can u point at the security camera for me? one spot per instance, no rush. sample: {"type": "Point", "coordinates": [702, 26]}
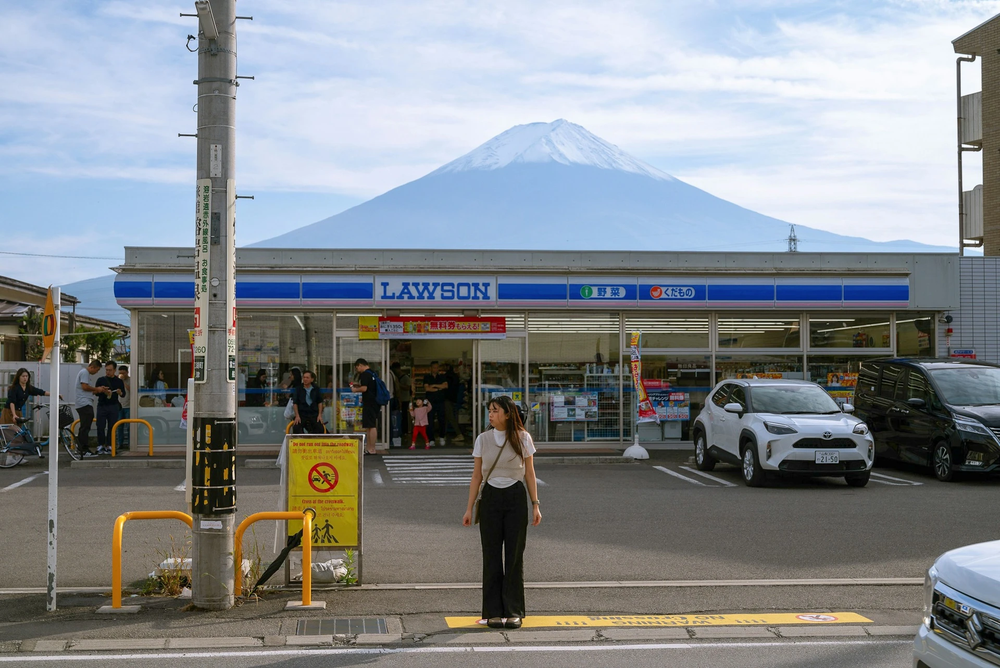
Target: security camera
{"type": "Point", "coordinates": [947, 320]}
{"type": "Point", "coordinates": [206, 19]}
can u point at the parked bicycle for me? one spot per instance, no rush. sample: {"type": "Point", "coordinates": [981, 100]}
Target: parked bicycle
{"type": "Point", "coordinates": [17, 442]}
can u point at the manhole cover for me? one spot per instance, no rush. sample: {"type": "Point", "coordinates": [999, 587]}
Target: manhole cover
{"type": "Point", "coordinates": [340, 626]}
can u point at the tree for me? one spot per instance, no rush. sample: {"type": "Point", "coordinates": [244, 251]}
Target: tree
{"type": "Point", "coordinates": [96, 344]}
{"type": "Point", "coordinates": [30, 328]}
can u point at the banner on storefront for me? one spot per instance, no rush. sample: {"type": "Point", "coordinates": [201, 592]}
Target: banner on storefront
{"type": "Point", "coordinates": [375, 327]}
{"type": "Point", "coordinates": [645, 410]}
{"type": "Point", "coordinates": [670, 406]}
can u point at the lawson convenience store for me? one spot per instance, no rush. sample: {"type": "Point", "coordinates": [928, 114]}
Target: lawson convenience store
{"type": "Point", "coordinates": [548, 328]}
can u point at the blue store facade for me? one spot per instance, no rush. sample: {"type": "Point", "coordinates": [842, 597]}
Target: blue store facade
{"type": "Point", "coordinates": [566, 316]}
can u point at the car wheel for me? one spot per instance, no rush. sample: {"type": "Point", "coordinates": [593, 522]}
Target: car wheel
{"type": "Point", "coordinates": [858, 479]}
{"type": "Point", "coordinates": [703, 460]}
{"type": "Point", "coordinates": [941, 461]}
{"type": "Point", "coordinates": [753, 475]}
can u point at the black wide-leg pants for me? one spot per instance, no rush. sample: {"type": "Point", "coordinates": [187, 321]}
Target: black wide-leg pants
{"type": "Point", "coordinates": [503, 529]}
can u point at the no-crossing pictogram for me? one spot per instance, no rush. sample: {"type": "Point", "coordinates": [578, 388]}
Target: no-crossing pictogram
{"type": "Point", "coordinates": [323, 477]}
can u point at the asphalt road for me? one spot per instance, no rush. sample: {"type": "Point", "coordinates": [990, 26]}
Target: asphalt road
{"type": "Point", "coordinates": [613, 522]}
{"type": "Point", "coordinates": [829, 654]}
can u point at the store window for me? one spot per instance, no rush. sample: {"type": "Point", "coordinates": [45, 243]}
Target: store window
{"type": "Point", "coordinates": [755, 332]}
{"type": "Point", "coordinates": [272, 352]}
{"type": "Point", "coordinates": [162, 371]}
{"type": "Point", "coordinates": [850, 331]}
{"type": "Point", "coordinates": [677, 385]}
{"type": "Point", "coordinates": [574, 375]}
{"type": "Point", "coordinates": [758, 366]}
{"type": "Point", "coordinates": [673, 331]}
{"type": "Point", "coordinates": [915, 335]}
{"type": "Point", "coordinates": [837, 373]}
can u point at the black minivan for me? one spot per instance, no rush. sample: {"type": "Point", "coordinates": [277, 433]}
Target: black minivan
{"type": "Point", "coordinates": [943, 413]}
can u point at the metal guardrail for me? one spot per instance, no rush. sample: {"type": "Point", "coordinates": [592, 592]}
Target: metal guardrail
{"type": "Point", "coordinates": [114, 434]}
{"type": "Point", "coordinates": [307, 517]}
{"type": "Point", "coordinates": [116, 544]}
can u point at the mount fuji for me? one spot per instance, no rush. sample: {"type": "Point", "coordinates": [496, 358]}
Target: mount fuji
{"type": "Point", "coordinates": [556, 186]}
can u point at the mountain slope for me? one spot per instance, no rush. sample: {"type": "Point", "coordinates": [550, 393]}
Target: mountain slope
{"type": "Point", "coordinates": [556, 186]}
{"type": "Point", "coordinates": [97, 298]}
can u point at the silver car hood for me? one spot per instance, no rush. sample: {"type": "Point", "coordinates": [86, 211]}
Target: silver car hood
{"type": "Point", "coordinates": [973, 570]}
{"type": "Point", "coordinates": [837, 422]}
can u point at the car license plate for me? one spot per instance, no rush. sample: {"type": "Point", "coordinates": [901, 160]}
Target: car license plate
{"type": "Point", "coordinates": [827, 457]}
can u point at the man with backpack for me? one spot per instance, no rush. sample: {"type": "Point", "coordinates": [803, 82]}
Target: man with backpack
{"type": "Point", "coordinates": [369, 386]}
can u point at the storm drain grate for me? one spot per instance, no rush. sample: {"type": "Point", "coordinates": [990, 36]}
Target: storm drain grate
{"type": "Point", "coordinates": [340, 626]}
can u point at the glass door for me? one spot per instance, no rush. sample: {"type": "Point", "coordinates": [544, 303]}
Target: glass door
{"type": "Point", "coordinates": [347, 407]}
{"type": "Point", "coordinates": [500, 371]}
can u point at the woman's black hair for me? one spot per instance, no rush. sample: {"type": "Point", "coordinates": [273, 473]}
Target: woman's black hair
{"type": "Point", "coordinates": [515, 425]}
{"type": "Point", "coordinates": [261, 372]}
{"type": "Point", "coordinates": [17, 377]}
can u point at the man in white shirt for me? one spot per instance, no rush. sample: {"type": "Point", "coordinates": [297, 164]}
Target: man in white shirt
{"type": "Point", "coordinates": [85, 392]}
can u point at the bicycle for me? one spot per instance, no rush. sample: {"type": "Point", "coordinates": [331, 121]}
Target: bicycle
{"type": "Point", "coordinates": [15, 446]}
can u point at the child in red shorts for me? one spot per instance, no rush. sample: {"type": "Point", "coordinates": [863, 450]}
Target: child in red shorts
{"type": "Point", "coordinates": [419, 412]}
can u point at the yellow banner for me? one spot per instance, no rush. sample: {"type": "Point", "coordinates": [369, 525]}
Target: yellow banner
{"type": "Point", "coordinates": [48, 326]}
{"type": "Point", "coordinates": [323, 473]}
{"type": "Point", "coordinates": [368, 328]}
{"type": "Point", "coordinates": [609, 621]}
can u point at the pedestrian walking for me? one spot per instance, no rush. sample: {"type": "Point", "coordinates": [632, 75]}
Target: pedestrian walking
{"type": "Point", "coordinates": [110, 388]}
{"type": "Point", "coordinates": [125, 412]}
{"type": "Point", "coordinates": [370, 410]}
{"type": "Point", "coordinates": [308, 407]}
{"type": "Point", "coordinates": [84, 404]}
{"type": "Point", "coordinates": [435, 389]}
{"type": "Point", "coordinates": [507, 451]}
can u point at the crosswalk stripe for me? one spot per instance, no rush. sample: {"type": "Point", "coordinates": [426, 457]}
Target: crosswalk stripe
{"type": "Point", "coordinates": [682, 477]}
{"type": "Point", "coordinates": [710, 477]}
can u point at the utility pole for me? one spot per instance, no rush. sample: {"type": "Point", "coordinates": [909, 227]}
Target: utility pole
{"type": "Point", "coordinates": [213, 468]}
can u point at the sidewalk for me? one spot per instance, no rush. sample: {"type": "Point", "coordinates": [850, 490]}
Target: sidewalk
{"type": "Point", "coordinates": [353, 618]}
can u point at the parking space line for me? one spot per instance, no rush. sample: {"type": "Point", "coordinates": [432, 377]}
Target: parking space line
{"type": "Point", "coordinates": [377, 477]}
{"type": "Point", "coordinates": [710, 477]}
{"type": "Point", "coordinates": [23, 482]}
{"type": "Point", "coordinates": [903, 481]}
{"type": "Point", "coordinates": [682, 477]}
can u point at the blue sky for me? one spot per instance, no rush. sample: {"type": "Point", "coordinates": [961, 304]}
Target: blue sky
{"type": "Point", "coordinates": [833, 114]}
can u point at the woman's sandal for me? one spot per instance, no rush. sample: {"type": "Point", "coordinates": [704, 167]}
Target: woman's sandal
{"type": "Point", "coordinates": [495, 622]}
{"type": "Point", "coordinates": [512, 623]}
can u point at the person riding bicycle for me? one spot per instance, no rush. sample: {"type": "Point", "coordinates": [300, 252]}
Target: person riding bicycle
{"type": "Point", "coordinates": [18, 394]}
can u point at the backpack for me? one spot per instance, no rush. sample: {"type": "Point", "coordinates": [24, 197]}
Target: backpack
{"type": "Point", "coordinates": [382, 395]}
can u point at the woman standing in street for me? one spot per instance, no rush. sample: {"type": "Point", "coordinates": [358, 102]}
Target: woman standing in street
{"type": "Point", "coordinates": [507, 452]}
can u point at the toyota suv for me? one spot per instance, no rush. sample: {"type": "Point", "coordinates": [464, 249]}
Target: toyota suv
{"type": "Point", "coordinates": [942, 413]}
{"type": "Point", "coordinates": [781, 427]}
{"type": "Point", "coordinates": [961, 625]}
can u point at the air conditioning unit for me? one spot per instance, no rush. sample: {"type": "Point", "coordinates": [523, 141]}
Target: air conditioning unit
{"type": "Point", "coordinates": [972, 205]}
{"type": "Point", "coordinates": [971, 123]}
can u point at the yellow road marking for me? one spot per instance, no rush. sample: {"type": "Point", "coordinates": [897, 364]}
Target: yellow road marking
{"type": "Point", "coordinates": [565, 621]}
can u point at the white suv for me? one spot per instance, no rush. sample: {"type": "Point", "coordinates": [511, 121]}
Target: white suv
{"type": "Point", "coordinates": [781, 426]}
{"type": "Point", "coordinates": [961, 626]}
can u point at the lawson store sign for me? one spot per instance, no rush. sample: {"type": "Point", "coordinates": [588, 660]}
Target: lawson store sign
{"type": "Point", "coordinates": [526, 291]}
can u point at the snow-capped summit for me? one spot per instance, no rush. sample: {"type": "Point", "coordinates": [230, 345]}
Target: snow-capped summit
{"type": "Point", "coordinates": [559, 141]}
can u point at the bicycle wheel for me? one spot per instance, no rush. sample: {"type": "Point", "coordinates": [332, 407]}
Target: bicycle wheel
{"type": "Point", "coordinates": [10, 458]}
{"type": "Point", "coordinates": [69, 443]}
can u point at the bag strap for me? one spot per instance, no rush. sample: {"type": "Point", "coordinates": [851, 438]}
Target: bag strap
{"type": "Point", "coordinates": [495, 461]}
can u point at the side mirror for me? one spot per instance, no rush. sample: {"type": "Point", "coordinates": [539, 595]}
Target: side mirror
{"type": "Point", "coordinates": [916, 402]}
{"type": "Point", "coordinates": [848, 408]}
{"type": "Point", "coordinates": [733, 408]}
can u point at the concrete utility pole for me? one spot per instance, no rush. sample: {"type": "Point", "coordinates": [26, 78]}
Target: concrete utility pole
{"type": "Point", "coordinates": [213, 488]}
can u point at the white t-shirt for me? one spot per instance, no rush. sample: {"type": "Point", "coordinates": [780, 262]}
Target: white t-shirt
{"type": "Point", "coordinates": [495, 439]}
{"type": "Point", "coordinates": [83, 397]}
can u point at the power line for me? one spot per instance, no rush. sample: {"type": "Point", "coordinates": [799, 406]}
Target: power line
{"type": "Point", "coordinates": [66, 257]}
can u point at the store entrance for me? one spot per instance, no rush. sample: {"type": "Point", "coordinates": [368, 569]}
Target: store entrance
{"type": "Point", "coordinates": [438, 371]}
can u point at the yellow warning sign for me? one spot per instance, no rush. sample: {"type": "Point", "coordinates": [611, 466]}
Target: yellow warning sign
{"type": "Point", "coordinates": [323, 474]}
{"type": "Point", "coordinates": [606, 621]}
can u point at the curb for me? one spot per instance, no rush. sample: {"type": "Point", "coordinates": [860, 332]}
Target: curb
{"type": "Point", "coordinates": [153, 463]}
{"type": "Point", "coordinates": [470, 638]}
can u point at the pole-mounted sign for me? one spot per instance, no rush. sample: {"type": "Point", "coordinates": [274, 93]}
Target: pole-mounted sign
{"type": "Point", "coordinates": [202, 276]}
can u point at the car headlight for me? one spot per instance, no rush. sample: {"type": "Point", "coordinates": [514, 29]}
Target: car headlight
{"type": "Point", "coordinates": [930, 580]}
{"type": "Point", "coordinates": [778, 428]}
{"type": "Point", "coordinates": [972, 426]}
{"type": "Point", "coordinates": [861, 428]}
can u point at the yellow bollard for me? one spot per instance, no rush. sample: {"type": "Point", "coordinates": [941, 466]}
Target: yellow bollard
{"type": "Point", "coordinates": [116, 544]}
{"type": "Point", "coordinates": [114, 434]}
{"type": "Point", "coordinates": [306, 516]}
